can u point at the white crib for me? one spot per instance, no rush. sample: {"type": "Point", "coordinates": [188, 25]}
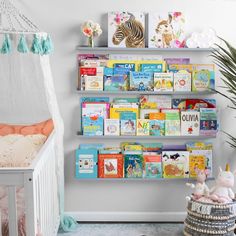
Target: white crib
{"type": "Point", "coordinates": [40, 192]}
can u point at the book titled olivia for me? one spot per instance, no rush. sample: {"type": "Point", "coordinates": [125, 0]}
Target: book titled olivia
{"type": "Point", "coordinates": [190, 122]}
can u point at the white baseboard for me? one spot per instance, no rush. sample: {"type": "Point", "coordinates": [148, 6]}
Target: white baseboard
{"type": "Point", "coordinates": [128, 216]}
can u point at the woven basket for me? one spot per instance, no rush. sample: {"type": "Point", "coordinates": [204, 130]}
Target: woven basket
{"type": "Point", "coordinates": [210, 219]}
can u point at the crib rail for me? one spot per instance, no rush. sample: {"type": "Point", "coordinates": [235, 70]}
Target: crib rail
{"type": "Point", "coordinates": [40, 194]}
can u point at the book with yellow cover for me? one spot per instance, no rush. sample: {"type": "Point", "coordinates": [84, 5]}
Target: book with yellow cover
{"type": "Point", "coordinates": [115, 111]}
{"type": "Point", "coordinates": [196, 161]}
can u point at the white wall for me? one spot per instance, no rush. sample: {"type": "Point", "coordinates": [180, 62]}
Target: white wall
{"type": "Point", "coordinates": [63, 19]}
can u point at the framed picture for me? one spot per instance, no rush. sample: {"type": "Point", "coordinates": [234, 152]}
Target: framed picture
{"type": "Point", "coordinates": [126, 29]}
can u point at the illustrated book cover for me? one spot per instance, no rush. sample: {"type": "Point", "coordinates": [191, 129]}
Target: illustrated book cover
{"type": "Point", "coordinates": [143, 127]}
{"type": "Point", "coordinates": [128, 122]}
{"type": "Point", "coordinates": [190, 123]}
{"type": "Point", "coordinates": [141, 81]}
{"type": "Point", "coordinates": [126, 29]}
{"type": "Point", "coordinates": [163, 82]}
{"type": "Point", "coordinates": [86, 163]}
{"type": "Point", "coordinates": [112, 127]}
{"type": "Point", "coordinates": [208, 121]}
{"type": "Point", "coordinates": [175, 164]}
{"type": "Point", "coordinates": [133, 165]}
{"type": "Point", "coordinates": [182, 81]}
{"type": "Point", "coordinates": [172, 123]}
{"type": "Point", "coordinates": [152, 165]}
{"type": "Point", "coordinates": [110, 165]}
{"type": "Point", "coordinates": [92, 126]}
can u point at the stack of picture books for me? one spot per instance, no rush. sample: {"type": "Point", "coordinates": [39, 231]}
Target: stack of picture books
{"type": "Point", "coordinates": [143, 160]}
{"type": "Point", "coordinates": [148, 115]}
{"type": "Point", "coordinates": [100, 73]}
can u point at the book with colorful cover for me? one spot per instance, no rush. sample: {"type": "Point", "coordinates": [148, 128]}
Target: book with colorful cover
{"type": "Point", "coordinates": [157, 116]}
{"type": "Point", "coordinates": [203, 77]}
{"type": "Point", "coordinates": [126, 100]}
{"type": "Point", "coordinates": [178, 67]}
{"type": "Point", "coordinates": [94, 99]}
{"type": "Point", "coordinates": [133, 147]}
{"type": "Point", "coordinates": [152, 165]}
{"type": "Point", "coordinates": [115, 111]}
{"type": "Point", "coordinates": [152, 147]}
{"type": "Point", "coordinates": [172, 123]}
{"type": "Point", "coordinates": [93, 83]}
{"type": "Point", "coordinates": [92, 126]}
{"type": "Point", "coordinates": [128, 123]}
{"type": "Point", "coordinates": [110, 165]}
{"type": "Point", "coordinates": [123, 68]}
{"type": "Point", "coordinates": [196, 104]}
{"type": "Point", "coordinates": [95, 109]}
{"type": "Point", "coordinates": [207, 154]}
{"type": "Point", "coordinates": [144, 113]}
{"type": "Point", "coordinates": [182, 81]}
{"type": "Point", "coordinates": [179, 103]}
{"type": "Point", "coordinates": [177, 61]}
{"type": "Point", "coordinates": [199, 146]}
{"type": "Point", "coordinates": [157, 128]}
{"type": "Point", "coordinates": [110, 150]}
{"type": "Point", "coordinates": [86, 163]}
{"type": "Point", "coordinates": [141, 81]}
{"type": "Point", "coordinates": [96, 146]}
{"type": "Point", "coordinates": [143, 127]}
{"type": "Point", "coordinates": [175, 164]}
{"type": "Point", "coordinates": [112, 127]}
{"type": "Point", "coordinates": [155, 102]}
{"type": "Point", "coordinates": [208, 121]}
{"type": "Point", "coordinates": [116, 83]}
{"type": "Point", "coordinates": [133, 167]}
{"type": "Point", "coordinates": [163, 82]}
{"type": "Point", "coordinates": [151, 67]}
{"type": "Point", "coordinates": [196, 161]}
{"type": "Point", "coordinates": [190, 123]}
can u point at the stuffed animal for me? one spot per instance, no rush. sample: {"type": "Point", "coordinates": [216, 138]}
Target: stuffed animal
{"type": "Point", "coordinates": [222, 192]}
{"type": "Point", "coordinates": [200, 188]}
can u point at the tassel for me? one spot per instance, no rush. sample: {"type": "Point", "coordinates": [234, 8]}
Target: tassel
{"type": "Point", "coordinates": [22, 46]}
{"type": "Point", "coordinates": [36, 47]}
{"type": "Point", "coordinates": [47, 45]}
{"type": "Point", "coordinates": [6, 46]}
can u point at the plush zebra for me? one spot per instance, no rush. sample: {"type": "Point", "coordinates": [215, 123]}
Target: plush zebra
{"type": "Point", "coordinates": [133, 33]}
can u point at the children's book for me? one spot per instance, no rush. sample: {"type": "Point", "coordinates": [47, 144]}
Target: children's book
{"type": "Point", "coordinates": [166, 30]}
{"type": "Point", "coordinates": [143, 127]}
{"type": "Point", "coordinates": [177, 61]}
{"type": "Point", "coordinates": [199, 146]}
{"type": "Point", "coordinates": [203, 77]}
{"type": "Point", "coordinates": [190, 123]}
{"type": "Point", "coordinates": [157, 116]}
{"type": "Point", "coordinates": [152, 147]}
{"type": "Point", "coordinates": [144, 113]}
{"type": "Point", "coordinates": [133, 166]}
{"type": "Point", "coordinates": [126, 29]}
{"type": "Point", "coordinates": [155, 102]}
{"type": "Point", "coordinates": [196, 161]}
{"type": "Point", "coordinates": [112, 127]}
{"type": "Point", "coordinates": [196, 104]}
{"type": "Point", "coordinates": [86, 163]}
{"type": "Point", "coordinates": [178, 67]}
{"type": "Point", "coordinates": [175, 164]}
{"type": "Point", "coordinates": [182, 81]}
{"type": "Point", "coordinates": [128, 123]}
{"type": "Point", "coordinates": [115, 112]}
{"type": "Point", "coordinates": [133, 147]}
{"type": "Point", "coordinates": [179, 103]}
{"type": "Point", "coordinates": [152, 165]}
{"type": "Point", "coordinates": [151, 67]}
{"type": "Point", "coordinates": [141, 81]}
{"type": "Point", "coordinates": [163, 82]}
{"type": "Point", "coordinates": [126, 100]}
{"type": "Point", "coordinates": [110, 165]}
{"type": "Point", "coordinates": [92, 126]}
{"type": "Point", "coordinates": [94, 83]}
{"type": "Point", "coordinates": [116, 83]}
{"type": "Point", "coordinates": [157, 127]}
{"type": "Point", "coordinates": [207, 154]}
{"type": "Point", "coordinates": [208, 121]}
{"type": "Point", "coordinates": [94, 99]}
{"type": "Point", "coordinates": [95, 109]}
{"type": "Point", "coordinates": [123, 68]}
{"type": "Point", "coordinates": [172, 123]}
{"type": "Point", "coordinates": [110, 150]}
{"type": "Point", "coordinates": [107, 78]}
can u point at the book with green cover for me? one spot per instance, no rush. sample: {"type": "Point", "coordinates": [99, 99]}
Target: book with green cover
{"type": "Point", "coordinates": [172, 124]}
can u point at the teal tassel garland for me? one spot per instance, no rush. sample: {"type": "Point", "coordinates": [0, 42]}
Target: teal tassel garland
{"type": "Point", "coordinates": [22, 46]}
{"type": "Point", "coordinates": [6, 46]}
{"type": "Point", "coordinates": [47, 45]}
{"type": "Point", "coordinates": [36, 47]}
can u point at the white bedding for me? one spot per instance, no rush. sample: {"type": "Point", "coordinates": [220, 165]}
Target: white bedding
{"type": "Point", "coordinates": [17, 150]}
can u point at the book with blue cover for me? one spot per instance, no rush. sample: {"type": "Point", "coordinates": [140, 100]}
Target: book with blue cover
{"type": "Point", "coordinates": [133, 166]}
{"type": "Point", "coordinates": [92, 126]}
{"type": "Point", "coordinates": [151, 67]}
{"type": "Point", "coordinates": [141, 81]}
{"type": "Point", "coordinates": [123, 68]}
{"type": "Point", "coordinates": [97, 146]}
{"type": "Point", "coordinates": [157, 127]}
{"type": "Point", "coordinates": [116, 83]}
{"type": "Point", "coordinates": [128, 123]}
{"type": "Point", "coordinates": [94, 99]}
{"type": "Point", "coordinates": [208, 121]}
{"type": "Point", "coordinates": [86, 163]}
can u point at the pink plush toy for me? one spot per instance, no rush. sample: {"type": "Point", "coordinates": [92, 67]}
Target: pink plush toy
{"type": "Point", "coordinates": [200, 188]}
{"type": "Point", "coordinates": [222, 192]}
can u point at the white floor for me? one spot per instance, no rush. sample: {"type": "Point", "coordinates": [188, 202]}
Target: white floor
{"type": "Point", "coordinates": [127, 230]}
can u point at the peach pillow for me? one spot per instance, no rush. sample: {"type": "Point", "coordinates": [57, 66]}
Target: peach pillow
{"type": "Point", "coordinates": [45, 128]}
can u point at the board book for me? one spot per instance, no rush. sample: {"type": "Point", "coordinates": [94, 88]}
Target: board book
{"type": "Point", "coordinates": [86, 163]}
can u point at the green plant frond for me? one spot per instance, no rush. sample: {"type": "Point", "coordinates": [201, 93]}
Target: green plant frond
{"type": "Point", "coordinates": [222, 94]}
{"type": "Point", "coordinates": [231, 85]}
{"type": "Point", "coordinates": [224, 66]}
{"type": "Point", "coordinates": [231, 49]}
{"type": "Point", "coordinates": [226, 52]}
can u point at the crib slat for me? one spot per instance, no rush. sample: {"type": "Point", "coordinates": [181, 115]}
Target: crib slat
{"type": "Point", "coordinates": [12, 206]}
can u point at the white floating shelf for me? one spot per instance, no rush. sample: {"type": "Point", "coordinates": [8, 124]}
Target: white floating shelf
{"type": "Point", "coordinates": [143, 50]}
{"type": "Point", "coordinates": [209, 92]}
{"type": "Point", "coordinates": [147, 137]}
{"type": "Point", "coordinates": [140, 179]}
